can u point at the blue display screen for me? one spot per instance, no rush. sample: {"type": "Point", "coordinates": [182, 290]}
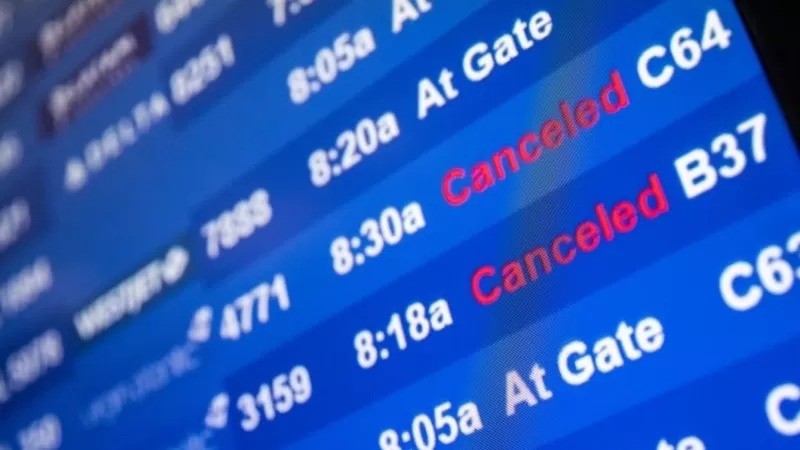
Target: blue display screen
{"type": "Point", "coordinates": [394, 225]}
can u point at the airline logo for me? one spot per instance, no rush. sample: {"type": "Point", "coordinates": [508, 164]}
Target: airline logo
{"type": "Point", "coordinates": [63, 30]}
{"type": "Point", "coordinates": [104, 71]}
{"type": "Point", "coordinates": [132, 294]}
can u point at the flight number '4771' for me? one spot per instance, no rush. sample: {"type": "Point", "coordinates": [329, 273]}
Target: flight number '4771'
{"type": "Point", "coordinates": [241, 316]}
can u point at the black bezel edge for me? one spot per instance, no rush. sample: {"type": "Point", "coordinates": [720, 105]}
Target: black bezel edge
{"type": "Point", "coordinates": [774, 28]}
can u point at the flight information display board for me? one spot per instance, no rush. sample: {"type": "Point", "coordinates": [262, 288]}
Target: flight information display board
{"type": "Point", "coordinates": [394, 225]}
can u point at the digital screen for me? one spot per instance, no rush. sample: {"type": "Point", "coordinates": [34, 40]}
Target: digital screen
{"type": "Point", "coordinates": [394, 225]}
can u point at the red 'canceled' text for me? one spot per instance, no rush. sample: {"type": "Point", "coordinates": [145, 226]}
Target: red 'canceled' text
{"type": "Point", "coordinates": [490, 283]}
{"type": "Point", "coordinates": [459, 183]}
